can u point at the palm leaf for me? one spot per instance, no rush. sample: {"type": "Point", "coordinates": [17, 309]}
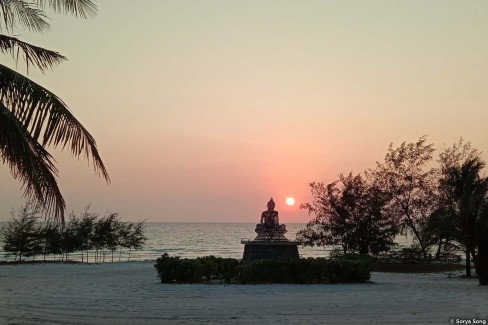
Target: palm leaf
{"type": "Point", "coordinates": [28, 14]}
{"type": "Point", "coordinates": [46, 117]}
{"type": "Point", "coordinates": [33, 55]}
{"type": "Point", "coordinates": [78, 8]}
{"type": "Point", "coordinates": [31, 163]}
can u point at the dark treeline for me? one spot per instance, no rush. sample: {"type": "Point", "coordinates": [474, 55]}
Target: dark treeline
{"type": "Point", "coordinates": [89, 235]}
{"type": "Point", "coordinates": [443, 206]}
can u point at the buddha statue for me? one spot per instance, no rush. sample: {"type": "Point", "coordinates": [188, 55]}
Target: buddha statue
{"type": "Point", "coordinates": [269, 228]}
{"type": "Point", "coordinates": [270, 216]}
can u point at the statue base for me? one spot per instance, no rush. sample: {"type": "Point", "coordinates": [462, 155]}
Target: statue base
{"type": "Point", "coordinates": [270, 232]}
{"type": "Point", "coordinates": [266, 250]}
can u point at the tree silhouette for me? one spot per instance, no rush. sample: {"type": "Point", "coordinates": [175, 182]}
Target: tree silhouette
{"type": "Point", "coordinates": [24, 235]}
{"type": "Point", "coordinates": [31, 117]}
{"type": "Point", "coordinates": [350, 213]}
{"type": "Point", "coordinates": [53, 240]}
{"type": "Point", "coordinates": [466, 205]}
{"type": "Point", "coordinates": [412, 186]}
{"type": "Point", "coordinates": [84, 231]}
{"type": "Point", "coordinates": [21, 235]}
{"type": "Point", "coordinates": [136, 237]}
{"type": "Point", "coordinates": [455, 169]}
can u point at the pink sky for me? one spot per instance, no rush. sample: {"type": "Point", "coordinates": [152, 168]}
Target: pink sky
{"type": "Point", "coordinates": [203, 110]}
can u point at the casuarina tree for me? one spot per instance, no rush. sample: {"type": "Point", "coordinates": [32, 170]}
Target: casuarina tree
{"type": "Point", "coordinates": [349, 213]}
{"type": "Point", "coordinates": [21, 236]}
{"type": "Point", "coordinates": [411, 182]}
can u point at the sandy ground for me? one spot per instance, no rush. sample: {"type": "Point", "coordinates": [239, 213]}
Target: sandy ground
{"type": "Point", "coordinates": [129, 293]}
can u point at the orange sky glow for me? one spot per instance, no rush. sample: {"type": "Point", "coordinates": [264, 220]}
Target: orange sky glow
{"type": "Point", "coordinates": [203, 110]}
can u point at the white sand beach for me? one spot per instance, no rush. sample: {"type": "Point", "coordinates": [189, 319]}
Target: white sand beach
{"type": "Point", "coordinates": [130, 293]}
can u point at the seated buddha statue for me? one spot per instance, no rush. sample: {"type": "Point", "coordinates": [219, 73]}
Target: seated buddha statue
{"type": "Point", "coordinates": [270, 216]}
{"type": "Point", "coordinates": [269, 228]}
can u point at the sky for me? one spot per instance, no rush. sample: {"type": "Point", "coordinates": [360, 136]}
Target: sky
{"type": "Point", "coordinates": [203, 110]}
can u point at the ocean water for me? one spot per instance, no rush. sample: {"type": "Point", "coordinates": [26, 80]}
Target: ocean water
{"type": "Point", "coordinates": [202, 239]}
{"type": "Point", "coordinates": [192, 240]}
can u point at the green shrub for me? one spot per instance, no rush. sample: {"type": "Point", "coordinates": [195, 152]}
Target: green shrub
{"type": "Point", "coordinates": [343, 269]}
{"type": "Point", "coordinates": [199, 270]}
{"type": "Point", "coordinates": [351, 268]}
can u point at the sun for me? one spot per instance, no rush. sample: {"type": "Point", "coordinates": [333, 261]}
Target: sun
{"type": "Point", "coordinates": [290, 201]}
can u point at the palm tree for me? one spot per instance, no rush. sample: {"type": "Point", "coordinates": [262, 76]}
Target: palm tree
{"type": "Point", "coordinates": [31, 117]}
{"type": "Point", "coordinates": [482, 236]}
{"type": "Point", "coordinates": [467, 193]}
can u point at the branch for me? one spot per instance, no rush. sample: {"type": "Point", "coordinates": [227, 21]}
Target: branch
{"type": "Point", "coordinates": [27, 14]}
{"type": "Point", "coordinates": [33, 55]}
{"type": "Point", "coordinates": [46, 117]}
{"type": "Point", "coordinates": [78, 8]}
{"type": "Point", "coordinates": [31, 163]}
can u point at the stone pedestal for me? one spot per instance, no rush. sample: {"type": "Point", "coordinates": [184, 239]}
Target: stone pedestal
{"type": "Point", "coordinates": [278, 250]}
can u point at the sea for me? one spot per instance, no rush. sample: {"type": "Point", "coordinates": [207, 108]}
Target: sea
{"type": "Point", "coordinates": [190, 240]}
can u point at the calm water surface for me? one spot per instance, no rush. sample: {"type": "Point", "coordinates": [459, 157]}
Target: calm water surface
{"type": "Point", "coordinates": [198, 239]}
{"type": "Point", "coordinates": [201, 239]}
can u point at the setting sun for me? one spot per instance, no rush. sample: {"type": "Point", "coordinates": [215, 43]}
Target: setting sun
{"type": "Point", "coordinates": [290, 201]}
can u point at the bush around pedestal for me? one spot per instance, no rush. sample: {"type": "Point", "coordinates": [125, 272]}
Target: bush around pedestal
{"type": "Point", "coordinates": [211, 269]}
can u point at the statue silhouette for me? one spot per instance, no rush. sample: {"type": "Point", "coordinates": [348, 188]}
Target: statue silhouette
{"type": "Point", "coordinates": [269, 228]}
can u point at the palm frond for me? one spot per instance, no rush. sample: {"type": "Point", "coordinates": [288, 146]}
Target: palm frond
{"type": "Point", "coordinates": [78, 8]}
{"type": "Point", "coordinates": [33, 55]}
{"type": "Point", "coordinates": [26, 13]}
{"type": "Point", "coordinates": [31, 163]}
{"type": "Point", "coordinates": [46, 117]}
